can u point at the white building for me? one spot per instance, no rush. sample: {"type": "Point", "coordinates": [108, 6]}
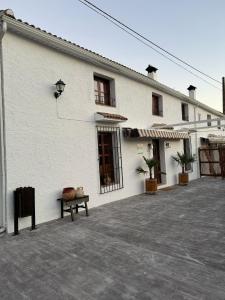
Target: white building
{"type": "Point", "coordinates": [51, 143]}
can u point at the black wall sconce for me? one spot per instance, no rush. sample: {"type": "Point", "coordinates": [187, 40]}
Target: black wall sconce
{"type": "Point", "coordinates": [60, 85]}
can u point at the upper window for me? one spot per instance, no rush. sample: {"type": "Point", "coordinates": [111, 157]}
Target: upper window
{"type": "Point", "coordinates": [204, 141]}
{"type": "Point", "coordinates": [209, 123]}
{"type": "Point", "coordinates": [157, 105]}
{"type": "Point", "coordinates": [219, 124]}
{"type": "Point", "coordinates": [185, 112]}
{"type": "Point", "coordinates": [103, 91]}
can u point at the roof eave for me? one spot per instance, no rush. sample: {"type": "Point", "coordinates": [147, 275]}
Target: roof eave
{"type": "Point", "coordinates": [71, 49]}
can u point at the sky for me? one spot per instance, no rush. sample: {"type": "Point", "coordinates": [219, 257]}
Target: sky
{"type": "Point", "coordinates": [192, 30]}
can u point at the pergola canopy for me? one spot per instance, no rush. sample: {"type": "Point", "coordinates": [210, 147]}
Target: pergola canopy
{"type": "Point", "coordinates": [216, 139]}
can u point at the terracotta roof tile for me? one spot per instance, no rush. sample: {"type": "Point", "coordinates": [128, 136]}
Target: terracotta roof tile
{"type": "Point", "coordinates": [112, 116]}
{"type": "Point", "coordinates": [58, 37]}
{"type": "Point", "coordinates": [9, 13]}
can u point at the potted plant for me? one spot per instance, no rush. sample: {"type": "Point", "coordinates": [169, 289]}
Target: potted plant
{"type": "Point", "coordinates": [150, 183]}
{"type": "Point", "coordinates": [182, 159]}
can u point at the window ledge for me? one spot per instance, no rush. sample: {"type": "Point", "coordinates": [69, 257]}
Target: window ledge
{"type": "Point", "coordinates": [108, 105]}
{"type": "Point", "coordinates": [157, 115]}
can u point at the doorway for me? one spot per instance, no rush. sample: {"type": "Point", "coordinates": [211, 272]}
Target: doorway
{"type": "Point", "coordinates": [156, 156]}
{"type": "Point", "coordinates": [2, 208]}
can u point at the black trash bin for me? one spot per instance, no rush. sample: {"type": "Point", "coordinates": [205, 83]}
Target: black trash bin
{"type": "Point", "coordinates": [24, 206]}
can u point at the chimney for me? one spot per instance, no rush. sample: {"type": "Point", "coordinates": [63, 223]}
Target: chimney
{"type": "Point", "coordinates": [192, 91]}
{"type": "Point", "coordinates": [151, 72]}
{"type": "Point", "coordinates": [8, 12]}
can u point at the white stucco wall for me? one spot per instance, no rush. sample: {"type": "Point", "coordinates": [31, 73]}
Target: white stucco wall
{"type": "Point", "coordinates": [52, 143]}
{"type": "Point", "coordinates": [2, 202]}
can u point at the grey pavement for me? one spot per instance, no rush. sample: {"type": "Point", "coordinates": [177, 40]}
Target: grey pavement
{"type": "Point", "coordinates": [167, 246]}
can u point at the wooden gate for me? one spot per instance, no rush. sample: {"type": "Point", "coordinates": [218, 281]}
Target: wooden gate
{"type": "Point", "coordinates": [222, 161]}
{"type": "Point", "coordinates": [212, 161]}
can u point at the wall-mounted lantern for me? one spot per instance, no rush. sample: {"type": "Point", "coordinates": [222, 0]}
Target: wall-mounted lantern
{"type": "Point", "coordinates": [167, 145]}
{"type": "Point", "coordinates": [149, 147]}
{"type": "Point", "coordinates": [60, 85]}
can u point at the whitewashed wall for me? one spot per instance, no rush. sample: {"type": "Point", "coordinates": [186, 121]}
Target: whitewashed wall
{"type": "Point", "coordinates": [2, 203]}
{"type": "Point", "coordinates": [52, 143]}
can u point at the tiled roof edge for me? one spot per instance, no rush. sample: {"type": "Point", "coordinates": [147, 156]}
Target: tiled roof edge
{"type": "Point", "coordinates": [145, 79]}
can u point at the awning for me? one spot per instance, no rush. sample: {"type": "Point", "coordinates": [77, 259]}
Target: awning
{"type": "Point", "coordinates": [155, 134]}
{"type": "Point", "coordinates": [107, 117]}
{"type": "Point", "coordinates": [216, 139]}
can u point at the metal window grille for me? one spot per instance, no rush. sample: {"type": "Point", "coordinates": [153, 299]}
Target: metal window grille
{"type": "Point", "coordinates": [110, 159]}
{"type": "Point", "coordinates": [105, 100]}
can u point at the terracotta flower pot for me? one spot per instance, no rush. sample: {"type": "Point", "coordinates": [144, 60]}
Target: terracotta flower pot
{"type": "Point", "coordinates": [183, 178]}
{"type": "Point", "coordinates": [79, 191]}
{"type": "Point", "coordinates": [151, 186]}
{"type": "Point", "coordinates": [69, 193]}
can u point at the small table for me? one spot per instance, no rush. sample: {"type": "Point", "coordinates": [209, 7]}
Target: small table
{"type": "Point", "coordinates": [76, 203]}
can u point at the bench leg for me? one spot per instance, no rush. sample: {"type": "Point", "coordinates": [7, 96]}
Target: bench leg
{"type": "Point", "coordinates": [16, 208]}
{"type": "Point", "coordinates": [71, 211]}
{"type": "Point", "coordinates": [86, 208]}
{"type": "Point", "coordinates": [62, 212]}
{"type": "Point", "coordinates": [76, 208]}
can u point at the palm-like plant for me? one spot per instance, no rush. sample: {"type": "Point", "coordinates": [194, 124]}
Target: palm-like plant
{"type": "Point", "coordinates": [151, 163]}
{"type": "Point", "coordinates": [183, 159]}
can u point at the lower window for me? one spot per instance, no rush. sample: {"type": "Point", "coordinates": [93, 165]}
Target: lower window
{"type": "Point", "coordinates": [110, 159]}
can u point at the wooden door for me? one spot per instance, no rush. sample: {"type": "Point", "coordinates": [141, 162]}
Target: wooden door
{"type": "Point", "coordinates": [156, 156]}
{"type": "Point", "coordinates": [106, 165]}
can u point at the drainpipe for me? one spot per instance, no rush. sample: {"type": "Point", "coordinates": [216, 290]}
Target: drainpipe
{"type": "Point", "coordinates": [192, 95]}
{"type": "Point", "coordinates": [3, 29]}
{"type": "Point", "coordinates": [223, 93]}
{"type": "Point", "coordinates": [196, 142]}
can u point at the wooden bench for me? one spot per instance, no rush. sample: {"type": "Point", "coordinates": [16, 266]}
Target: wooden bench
{"type": "Point", "coordinates": [74, 204]}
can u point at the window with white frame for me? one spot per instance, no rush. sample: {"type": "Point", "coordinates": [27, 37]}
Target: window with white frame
{"type": "Point", "coordinates": [219, 124]}
{"type": "Point", "coordinates": [104, 90]}
{"type": "Point", "coordinates": [185, 111]}
{"type": "Point", "coordinates": [157, 105]}
{"type": "Point", "coordinates": [209, 117]}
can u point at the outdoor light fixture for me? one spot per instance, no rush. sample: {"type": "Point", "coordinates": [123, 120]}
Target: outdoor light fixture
{"type": "Point", "coordinates": [150, 146]}
{"type": "Point", "coordinates": [60, 85]}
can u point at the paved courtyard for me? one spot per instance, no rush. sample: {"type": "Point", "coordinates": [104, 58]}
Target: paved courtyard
{"type": "Point", "coordinates": [168, 246]}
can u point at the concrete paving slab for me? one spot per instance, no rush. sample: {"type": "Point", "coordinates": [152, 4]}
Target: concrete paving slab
{"type": "Point", "coordinates": [167, 246]}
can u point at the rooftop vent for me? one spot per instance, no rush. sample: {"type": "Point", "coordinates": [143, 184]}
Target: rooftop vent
{"type": "Point", "coordinates": [151, 72]}
{"type": "Point", "coordinates": [192, 91]}
{"type": "Point", "coordinates": [8, 12]}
